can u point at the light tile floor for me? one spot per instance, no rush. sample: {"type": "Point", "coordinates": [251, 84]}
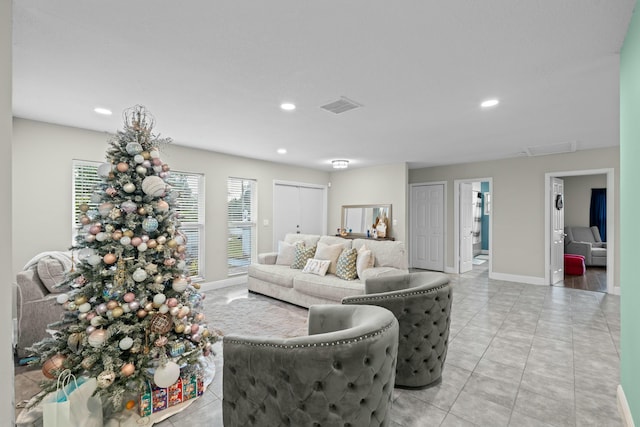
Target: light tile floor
{"type": "Point", "coordinates": [519, 355]}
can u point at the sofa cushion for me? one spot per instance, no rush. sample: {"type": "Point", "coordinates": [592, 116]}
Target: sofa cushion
{"type": "Point", "coordinates": [364, 260]}
{"type": "Point", "coordinates": [280, 275]}
{"type": "Point", "coordinates": [387, 253]}
{"type": "Point", "coordinates": [286, 253]}
{"type": "Point", "coordinates": [317, 266]}
{"type": "Point", "coordinates": [308, 239]}
{"type": "Point", "coordinates": [333, 240]}
{"type": "Point", "coordinates": [380, 271]}
{"type": "Point", "coordinates": [346, 265]}
{"type": "Point", "coordinates": [303, 253]}
{"type": "Point", "coordinates": [52, 272]}
{"type": "Point", "coordinates": [328, 287]}
{"type": "Point", "coordinates": [329, 252]}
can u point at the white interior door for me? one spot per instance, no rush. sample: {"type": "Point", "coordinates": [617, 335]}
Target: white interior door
{"type": "Point", "coordinates": [466, 227]}
{"type": "Point", "coordinates": [557, 230]}
{"type": "Point", "coordinates": [427, 227]}
{"type": "Point", "coordinates": [312, 215]}
{"type": "Point", "coordinates": [286, 211]}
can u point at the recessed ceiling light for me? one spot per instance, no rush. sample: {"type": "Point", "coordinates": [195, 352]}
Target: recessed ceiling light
{"type": "Point", "coordinates": [282, 151]}
{"type": "Point", "coordinates": [288, 106]}
{"type": "Point", "coordinates": [103, 111]}
{"type": "Point", "coordinates": [489, 103]}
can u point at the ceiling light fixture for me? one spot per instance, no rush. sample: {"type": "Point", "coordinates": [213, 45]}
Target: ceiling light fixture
{"type": "Point", "coordinates": [288, 106]}
{"type": "Point", "coordinates": [340, 164]}
{"type": "Point", "coordinates": [103, 111]}
{"type": "Point", "coordinates": [282, 151]}
{"type": "Point", "coordinates": [489, 103]}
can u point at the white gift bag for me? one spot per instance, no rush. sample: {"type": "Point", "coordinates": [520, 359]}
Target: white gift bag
{"type": "Point", "coordinates": [73, 403]}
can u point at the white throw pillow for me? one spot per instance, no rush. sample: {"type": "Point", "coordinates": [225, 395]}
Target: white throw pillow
{"type": "Point", "coordinates": [365, 260]}
{"type": "Point", "coordinates": [52, 272]}
{"type": "Point", "coordinates": [316, 266]}
{"type": "Point", "coordinates": [286, 253]}
{"type": "Point", "coordinates": [329, 252]}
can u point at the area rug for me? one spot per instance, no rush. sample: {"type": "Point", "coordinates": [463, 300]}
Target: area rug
{"type": "Point", "coordinates": [234, 310]}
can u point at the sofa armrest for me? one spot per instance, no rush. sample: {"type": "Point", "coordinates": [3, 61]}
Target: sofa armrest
{"type": "Point", "coordinates": [29, 285]}
{"type": "Point", "coordinates": [579, 248]}
{"type": "Point", "coordinates": [268, 258]}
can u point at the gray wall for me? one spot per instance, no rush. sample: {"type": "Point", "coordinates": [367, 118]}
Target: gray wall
{"type": "Point", "coordinates": [385, 184]}
{"type": "Point", "coordinates": [518, 204]}
{"type": "Point", "coordinates": [6, 305]}
{"type": "Point", "coordinates": [42, 161]}
{"type": "Point", "coordinates": [577, 197]}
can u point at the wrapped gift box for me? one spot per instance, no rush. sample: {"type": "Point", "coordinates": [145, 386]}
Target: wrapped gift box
{"type": "Point", "coordinates": [155, 399]}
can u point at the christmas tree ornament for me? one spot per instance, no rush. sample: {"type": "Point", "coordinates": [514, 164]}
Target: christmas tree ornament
{"type": "Point", "coordinates": [109, 259]}
{"type": "Point", "coordinates": [128, 206]}
{"type": "Point", "coordinates": [138, 158]}
{"type": "Point", "coordinates": [139, 275]}
{"type": "Point", "coordinates": [161, 240]}
{"type": "Point", "coordinates": [89, 330]}
{"type": "Point", "coordinates": [101, 236]}
{"type": "Point", "coordinates": [74, 342]}
{"type": "Point", "coordinates": [161, 342]}
{"type": "Point", "coordinates": [125, 343]}
{"type": "Point", "coordinates": [164, 308]}
{"type": "Point", "coordinates": [148, 306]}
{"type": "Point", "coordinates": [195, 328]}
{"type": "Point", "coordinates": [150, 224]}
{"type": "Point", "coordinates": [159, 299]}
{"type": "Point", "coordinates": [127, 369]}
{"type": "Point", "coordinates": [129, 296]}
{"type": "Point", "coordinates": [97, 320]}
{"type": "Point", "coordinates": [97, 338]}
{"type": "Point", "coordinates": [116, 235]}
{"type": "Point", "coordinates": [94, 260]}
{"type": "Point", "coordinates": [128, 233]}
{"type": "Point", "coordinates": [169, 262]}
{"type": "Point", "coordinates": [165, 168]}
{"type": "Point", "coordinates": [129, 187]}
{"type": "Point", "coordinates": [112, 304]}
{"type": "Point", "coordinates": [171, 243]}
{"type": "Point", "coordinates": [122, 167]}
{"type": "Point", "coordinates": [105, 208]}
{"type": "Point", "coordinates": [152, 243]}
{"type": "Point", "coordinates": [154, 186]}
{"type": "Point", "coordinates": [162, 206]}
{"type": "Point", "coordinates": [130, 404]}
{"type": "Point", "coordinates": [141, 170]}
{"type": "Point", "coordinates": [134, 148]}
{"type": "Point", "coordinates": [142, 247]}
{"type": "Point", "coordinates": [134, 305]}
{"type": "Point", "coordinates": [52, 365]}
{"type": "Point", "coordinates": [141, 313]}
{"type": "Point", "coordinates": [111, 191]}
{"type": "Point", "coordinates": [136, 241]}
{"type": "Point", "coordinates": [95, 229]}
{"type": "Point", "coordinates": [179, 328]}
{"type": "Point", "coordinates": [105, 379]}
{"type": "Point", "coordinates": [84, 308]}
{"type": "Point", "coordinates": [146, 164]}
{"type": "Point", "coordinates": [84, 220]}
{"type": "Point", "coordinates": [83, 207]}
{"type": "Point", "coordinates": [125, 241]}
{"type": "Point", "coordinates": [177, 349]}
{"type": "Point", "coordinates": [142, 211]}
{"type": "Point", "coordinates": [117, 312]}
{"type": "Point", "coordinates": [160, 323]}
{"type": "Point", "coordinates": [101, 308]}
{"type": "Point", "coordinates": [154, 154]}
{"type": "Point", "coordinates": [146, 155]}
{"type": "Point", "coordinates": [172, 302]}
{"type": "Point", "coordinates": [62, 298]}
{"type": "Point", "coordinates": [104, 169]}
{"type": "Point", "coordinates": [179, 284]}
{"type": "Point", "coordinates": [166, 375]}
{"type": "Point", "coordinates": [89, 238]}
{"type": "Point", "coordinates": [115, 213]}
{"type": "Point", "coordinates": [196, 337]}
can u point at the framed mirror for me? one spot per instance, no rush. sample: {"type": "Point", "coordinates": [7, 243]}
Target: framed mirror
{"type": "Point", "coordinates": [360, 218]}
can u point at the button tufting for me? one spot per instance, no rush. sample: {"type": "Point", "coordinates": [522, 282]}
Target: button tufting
{"type": "Point", "coordinates": [317, 386]}
{"type": "Point", "coordinates": [337, 365]}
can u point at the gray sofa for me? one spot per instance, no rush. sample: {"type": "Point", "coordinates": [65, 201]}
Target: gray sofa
{"type": "Point", "coordinates": [341, 374]}
{"type": "Point", "coordinates": [586, 241]}
{"type": "Point", "coordinates": [422, 304]}
{"type": "Point", "coordinates": [36, 297]}
{"type": "Point", "coordinates": [292, 285]}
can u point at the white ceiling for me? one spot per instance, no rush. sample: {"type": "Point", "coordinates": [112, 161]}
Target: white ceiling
{"type": "Point", "coordinates": [213, 73]}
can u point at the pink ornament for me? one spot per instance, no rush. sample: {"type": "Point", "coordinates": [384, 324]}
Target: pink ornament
{"type": "Point", "coordinates": [146, 164]}
{"type": "Point", "coordinates": [134, 305]}
{"type": "Point", "coordinates": [157, 162]}
{"type": "Point", "coordinates": [165, 168]}
{"type": "Point", "coordinates": [172, 302]}
{"type": "Point", "coordinates": [129, 296]}
{"type": "Point", "coordinates": [145, 238]}
{"type": "Point", "coordinates": [200, 317]}
{"type": "Point", "coordinates": [90, 329]}
{"type": "Point", "coordinates": [195, 328]}
{"type": "Point", "coordinates": [111, 191]}
{"type": "Point", "coordinates": [136, 241]}
{"type": "Point", "coordinates": [89, 238]}
{"type": "Point", "coordinates": [169, 262]}
{"type": "Point", "coordinates": [90, 315]}
{"type": "Point", "coordinates": [95, 229]}
{"type": "Point", "coordinates": [195, 338]}
{"type": "Point", "coordinates": [102, 308]}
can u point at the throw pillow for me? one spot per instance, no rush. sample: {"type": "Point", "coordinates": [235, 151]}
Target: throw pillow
{"type": "Point", "coordinates": [365, 260]}
{"type": "Point", "coordinates": [302, 255]}
{"type": "Point", "coordinates": [286, 253]}
{"type": "Point", "coordinates": [346, 266]}
{"type": "Point", "coordinates": [52, 272]}
{"type": "Point", "coordinates": [316, 266]}
{"type": "Point", "coordinates": [329, 252]}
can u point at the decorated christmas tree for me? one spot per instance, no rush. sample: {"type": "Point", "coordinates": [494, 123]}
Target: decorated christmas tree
{"type": "Point", "coordinates": [132, 316]}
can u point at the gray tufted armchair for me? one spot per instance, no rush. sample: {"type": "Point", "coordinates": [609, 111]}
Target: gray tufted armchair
{"type": "Point", "coordinates": [422, 304]}
{"type": "Point", "coordinates": [341, 374]}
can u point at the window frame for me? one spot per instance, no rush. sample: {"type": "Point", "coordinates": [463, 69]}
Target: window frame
{"type": "Point", "coordinates": [250, 223]}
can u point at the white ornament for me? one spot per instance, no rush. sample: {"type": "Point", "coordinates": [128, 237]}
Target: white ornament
{"type": "Point", "coordinates": [181, 265]}
{"type": "Point", "coordinates": [139, 275]}
{"type": "Point", "coordinates": [142, 247]}
{"type": "Point", "coordinates": [84, 308]}
{"type": "Point", "coordinates": [105, 169]}
{"type": "Point", "coordinates": [164, 308]}
{"type": "Point", "coordinates": [101, 236]}
{"type": "Point", "coordinates": [134, 148]}
{"type": "Point", "coordinates": [159, 299]}
{"type": "Point", "coordinates": [138, 158]}
{"type": "Point", "coordinates": [62, 298]}
{"type": "Point", "coordinates": [97, 338]}
{"type": "Point", "coordinates": [141, 170]}
{"type": "Point", "coordinates": [155, 154]}
{"type": "Point", "coordinates": [84, 253]}
{"type": "Point", "coordinates": [154, 186]}
{"type": "Point", "coordinates": [125, 240]}
{"type": "Point", "coordinates": [129, 187]}
{"type": "Point", "coordinates": [94, 259]}
{"type": "Point", "coordinates": [179, 284]}
{"type": "Point", "coordinates": [96, 321]}
{"type": "Point", "coordinates": [125, 343]}
{"type": "Point", "coordinates": [166, 375]}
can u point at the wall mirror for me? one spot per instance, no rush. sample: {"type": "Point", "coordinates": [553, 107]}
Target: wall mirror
{"type": "Point", "coordinates": [360, 218]}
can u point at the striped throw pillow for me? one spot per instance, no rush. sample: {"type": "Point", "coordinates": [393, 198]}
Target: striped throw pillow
{"type": "Point", "coordinates": [346, 268]}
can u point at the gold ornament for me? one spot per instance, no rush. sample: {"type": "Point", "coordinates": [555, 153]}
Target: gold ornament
{"type": "Point", "coordinates": [160, 323]}
{"type": "Point", "coordinates": [120, 278]}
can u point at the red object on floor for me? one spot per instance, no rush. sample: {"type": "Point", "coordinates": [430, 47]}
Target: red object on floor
{"type": "Point", "coordinates": [574, 264]}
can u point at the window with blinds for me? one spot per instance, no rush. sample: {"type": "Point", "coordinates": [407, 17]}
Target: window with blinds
{"type": "Point", "coordinates": [241, 218]}
{"type": "Point", "coordinates": [189, 192]}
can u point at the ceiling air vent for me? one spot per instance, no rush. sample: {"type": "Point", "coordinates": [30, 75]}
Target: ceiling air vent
{"type": "Point", "coordinates": [341, 105]}
{"type": "Point", "coordinates": [543, 150]}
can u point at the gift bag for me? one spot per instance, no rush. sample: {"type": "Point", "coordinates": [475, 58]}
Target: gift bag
{"type": "Point", "coordinates": [73, 403]}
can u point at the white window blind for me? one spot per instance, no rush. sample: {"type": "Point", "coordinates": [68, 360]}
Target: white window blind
{"type": "Point", "coordinates": [242, 218]}
{"type": "Point", "coordinates": [189, 188]}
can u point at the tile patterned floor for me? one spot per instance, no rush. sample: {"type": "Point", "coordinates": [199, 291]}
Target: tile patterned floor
{"type": "Point", "coordinates": [519, 355]}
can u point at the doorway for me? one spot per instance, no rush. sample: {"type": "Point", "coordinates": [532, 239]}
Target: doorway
{"type": "Point", "coordinates": [473, 225]}
{"type": "Point", "coordinates": [427, 225]}
{"type": "Point", "coordinates": [572, 219]}
{"type": "Point", "coordinates": [298, 208]}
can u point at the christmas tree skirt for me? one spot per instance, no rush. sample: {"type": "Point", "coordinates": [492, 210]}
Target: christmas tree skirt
{"type": "Point", "coordinates": [129, 418]}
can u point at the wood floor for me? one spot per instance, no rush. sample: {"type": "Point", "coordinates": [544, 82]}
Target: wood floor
{"type": "Point", "coordinates": [595, 279]}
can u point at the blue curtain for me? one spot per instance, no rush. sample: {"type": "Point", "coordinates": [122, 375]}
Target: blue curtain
{"type": "Point", "coordinates": [598, 211]}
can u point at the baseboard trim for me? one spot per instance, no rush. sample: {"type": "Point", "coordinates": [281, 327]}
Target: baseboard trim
{"type": "Point", "coordinates": [219, 284]}
{"type": "Point", "coordinates": [530, 280]}
{"type": "Point", "coordinates": [450, 270]}
{"type": "Point", "coordinates": [623, 408]}
{"type": "Point", "coordinates": [616, 290]}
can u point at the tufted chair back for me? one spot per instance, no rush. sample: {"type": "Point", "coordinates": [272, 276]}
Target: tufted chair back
{"type": "Point", "coordinates": [341, 374]}
{"type": "Point", "coordinates": [422, 304]}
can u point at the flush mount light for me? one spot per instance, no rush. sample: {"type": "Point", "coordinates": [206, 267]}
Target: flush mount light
{"type": "Point", "coordinates": [340, 164]}
{"type": "Point", "coordinates": [282, 151]}
{"type": "Point", "coordinates": [103, 111]}
{"type": "Point", "coordinates": [287, 106]}
{"type": "Point", "coordinates": [489, 103]}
